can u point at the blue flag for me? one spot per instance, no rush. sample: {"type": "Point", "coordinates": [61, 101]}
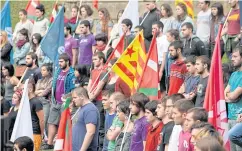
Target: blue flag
{"type": "Point", "coordinates": [6, 24]}
{"type": "Point", "coordinates": [53, 42]}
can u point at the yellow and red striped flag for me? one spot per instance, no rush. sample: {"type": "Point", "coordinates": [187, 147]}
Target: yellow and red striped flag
{"type": "Point", "coordinates": [129, 66]}
{"type": "Point", "coordinates": [189, 4]}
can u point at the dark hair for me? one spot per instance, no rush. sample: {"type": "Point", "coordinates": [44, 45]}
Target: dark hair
{"type": "Point", "coordinates": [207, 2]}
{"type": "Point", "coordinates": [188, 25]}
{"type": "Point", "coordinates": [38, 37]}
{"type": "Point", "coordinates": [128, 23]}
{"type": "Point", "coordinates": [120, 11]}
{"type": "Point", "coordinates": [68, 28]}
{"type": "Point", "coordinates": [140, 99]}
{"type": "Point", "coordinates": [100, 55]}
{"type": "Point", "coordinates": [86, 23]}
{"type": "Point", "coordinates": [191, 59]}
{"type": "Point", "coordinates": [139, 27]}
{"type": "Point", "coordinates": [113, 61]}
{"type": "Point", "coordinates": [199, 114]}
{"type": "Point", "coordinates": [168, 10]}
{"type": "Point", "coordinates": [23, 11]}
{"type": "Point", "coordinates": [177, 44]}
{"type": "Point", "coordinates": [175, 97]}
{"type": "Point", "coordinates": [205, 60]}
{"type": "Point", "coordinates": [220, 13]}
{"type": "Point", "coordinates": [239, 49]}
{"type": "Point", "coordinates": [184, 8]}
{"type": "Point", "coordinates": [174, 33]}
{"type": "Point", "coordinates": [75, 7]}
{"type": "Point", "coordinates": [183, 105]}
{"type": "Point", "coordinates": [88, 9]}
{"type": "Point", "coordinates": [159, 24]}
{"type": "Point", "coordinates": [83, 70]}
{"type": "Point", "coordinates": [41, 8]}
{"type": "Point", "coordinates": [25, 33]}
{"type": "Point", "coordinates": [107, 92]}
{"type": "Point", "coordinates": [48, 67]}
{"type": "Point", "coordinates": [9, 67]}
{"type": "Point", "coordinates": [209, 143]}
{"type": "Point", "coordinates": [33, 56]}
{"type": "Point", "coordinates": [123, 106]}
{"type": "Point", "coordinates": [65, 57]}
{"type": "Point", "coordinates": [102, 37]}
{"type": "Point", "coordinates": [24, 142]}
{"type": "Point", "coordinates": [151, 106]}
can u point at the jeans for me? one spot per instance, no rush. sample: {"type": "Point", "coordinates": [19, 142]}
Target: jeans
{"type": "Point", "coordinates": [235, 135]}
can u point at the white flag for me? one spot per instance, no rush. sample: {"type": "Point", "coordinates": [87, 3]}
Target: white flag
{"type": "Point", "coordinates": [23, 122]}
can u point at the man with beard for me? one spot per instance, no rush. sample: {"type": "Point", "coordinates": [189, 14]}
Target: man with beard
{"type": "Point", "coordinates": [202, 68]}
{"type": "Point", "coordinates": [137, 108]}
{"type": "Point", "coordinates": [70, 46]}
{"type": "Point", "coordinates": [63, 83]}
{"type": "Point", "coordinates": [178, 69]}
{"type": "Point", "coordinates": [233, 92]}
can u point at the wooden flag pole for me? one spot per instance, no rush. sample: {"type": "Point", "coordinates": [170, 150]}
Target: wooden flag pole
{"type": "Point", "coordinates": [20, 81]}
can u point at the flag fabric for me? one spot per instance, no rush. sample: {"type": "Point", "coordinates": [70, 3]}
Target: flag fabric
{"type": "Point", "coordinates": [54, 13]}
{"type": "Point", "coordinates": [30, 8]}
{"type": "Point", "coordinates": [214, 101]}
{"type": "Point", "coordinates": [149, 81]}
{"type": "Point", "coordinates": [95, 3]}
{"type": "Point", "coordinates": [23, 122]}
{"type": "Point", "coordinates": [129, 66]}
{"type": "Point", "coordinates": [53, 43]}
{"type": "Point", "coordinates": [64, 135]}
{"type": "Point", "coordinates": [189, 4]}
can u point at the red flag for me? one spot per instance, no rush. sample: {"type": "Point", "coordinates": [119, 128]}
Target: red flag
{"type": "Point", "coordinates": [214, 101]}
{"type": "Point", "coordinates": [64, 135]}
{"type": "Point", "coordinates": [95, 3]}
{"type": "Point", "coordinates": [54, 12]}
{"type": "Point", "coordinates": [30, 8]}
{"type": "Point", "coordinates": [149, 84]}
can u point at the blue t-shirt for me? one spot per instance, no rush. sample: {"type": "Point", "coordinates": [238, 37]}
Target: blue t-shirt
{"type": "Point", "coordinates": [191, 83]}
{"type": "Point", "coordinates": [235, 107]}
{"type": "Point", "coordinates": [88, 114]}
{"type": "Point", "coordinates": [108, 122]}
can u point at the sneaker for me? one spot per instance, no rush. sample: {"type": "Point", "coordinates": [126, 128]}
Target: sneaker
{"type": "Point", "coordinates": [47, 147]}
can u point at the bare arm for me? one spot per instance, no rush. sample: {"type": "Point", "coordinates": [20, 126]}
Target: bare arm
{"type": "Point", "coordinates": [182, 89]}
{"type": "Point", "coordinates": [74, 59]}
{"type": "Point", "coordinates": [113, 133]}
{"type": "Point", "coordinates": [233, 96]}
{"type": "Point", "coordinates": [166, 147]}
{"type": "Point", "coordinates": [91, 128]}
{"type": "Point", "coordinates": [93, 49]}
{"type": "Point", "coordinates": [99, 88]}
{"type": "Point", "coordinates": [40, 115]}
{"type": "Point", "coordinates": [227, 89]}
{"type": "Point", "coordinates": [144, 142]}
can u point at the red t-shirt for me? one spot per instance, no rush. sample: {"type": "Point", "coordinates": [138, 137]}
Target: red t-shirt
{"type": "Point", "coordinates": [185, 142]}
{"type": "Point", "coordinates": [152, 138]}
{"type": "Point", "coordinates": [234, 23]}
{"type": "Point", "coordinates": [178, 72]}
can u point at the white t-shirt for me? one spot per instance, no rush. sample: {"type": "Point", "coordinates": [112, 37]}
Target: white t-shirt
{"type": "Point", "coordinates": [41, 27]}
{"type": "Point", "coordinates": [174, 139]}
{"type": "Point", "coordinates": [203, 25]}
{"type": "Point", "coordinates": [162, 46]}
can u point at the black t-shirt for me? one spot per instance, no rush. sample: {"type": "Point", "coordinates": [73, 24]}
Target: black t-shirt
{"type": "Point", "coordinates": [201, 90]}
{"type": "Point", "coordinates": [5, 106]}
{"type": "Point", "coordinates": [34, 74]}
{"type": "Point", "coordinates": [35, 106]}
{"type": "Point", "coordinates": [165, 135]}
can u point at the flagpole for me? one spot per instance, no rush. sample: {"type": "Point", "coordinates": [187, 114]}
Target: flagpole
{"type": "Point", "coordinates": [125, 131]}
{"type": "Point", "coordinates": [77, 19]}
{"type": "Point", "coordinates": [227, 18]}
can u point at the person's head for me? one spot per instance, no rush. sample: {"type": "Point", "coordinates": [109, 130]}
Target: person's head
{"type": "Point", "coordinates": [161, 108]}
{"type": "Point", "coordinates": [7, 69]}
{"type": "Point", "coordinates": [23, 34]}
{"type": "Point", "coordinates": [180, 109]}
{"type": "Point", "coordinates": [166, 10]}
{"type": "Point", "coordinates": [31, 59]}
{"type": "Point", "coordinates": [190, 63]}
{"type": "Point", "coordinates": [85, 27]}
{"type": "Point", "coordinates": [176, 49]}
{"type": "Point", "coordinates": [181, 10]}
{"type": "Point", "coordinates": [187, 30]}
{"type": "Point", "coordinates": [22, 14]}
{"type": "Point", "coordinates": [204, 5]}
{"type": "Point", "coordinates": [115, 99]}
{"type": "Point", "coordinates": [105, 99]}
{"type": "Point", "coordinates": [36, 39]}
{"type": "Point", "coordinates": [82, 71]}
{"type": "Point", "coordinates": [233, 3]}
{"type": "Point", "coordinates": [67, 30]}
{"type": "Point", "coordinates": [217, 10]}
{"type": "Point", "coordinates": [40, 10]}
{"type": "Point", "coordinates": [123, 110]}
{"type": "Point", "coordinates": [137, 29]}
{"type": "Point", "coordinates": [46, 70]}
{"type": "Point", "coordinates": [79, 96]}
{"type": "Point", "coordinates": [3, 38]}
{"type": "Point", "coordinates": [195, 115]}
{"type": "Point", "coordinates": [202, 64]}
{"type": "Point", "coordinates": [120, 13]}
{"type": "Point", "coordinates": [208, 144]}
{"type": "Point", "coordinates": [172, 35]}
{"type": "Point", "coordinates": [126, 25]}
{"type": "Point", "coordinates": [17, 96]}
{"type": "Point", "coordinates": [64, 61]}
{"type": "Point", "coordinates": [74, 11]}
{"type": "Point", "coordinates": [170, 103]}
{"type": "Point", "coordinates": [237, 56]}
{"type": "Point", "coordinates": [137, 103]}
{"type": "Point", "coordinates": [98, 59]}
{"type": "Point", "coordinates": [86, 11]}
{"type": "Point", "coordinates": [150, 112]}
{"type": "Point", "coordinates": [103, 14]}
{"type": "Point", "coordinates": [31, 87]}
{"type": "Point", "coordinates": [150, 5]}
{"type": "Point", "coordinates": [23, 143]}
{"type": "Point", "coordinates": [157, 28]}
{"type": "Point", "coordinates": [101, 39]}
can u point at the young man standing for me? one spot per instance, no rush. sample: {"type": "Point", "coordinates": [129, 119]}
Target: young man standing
{"type": "Point", "coordinates": [85, 131]}
{"type": "Point", "coordinates": [126, 28]}
{"type": "Point", "coordinates": [137, 108]}
{"type": "Point", "coordinates": [155, 127]}
{"type": "Point", "coordinates": [202, 67]}
{"type": "Point", "coordinates": [233, 92]}
{"type": "Point", "coordinates": [178, 69]}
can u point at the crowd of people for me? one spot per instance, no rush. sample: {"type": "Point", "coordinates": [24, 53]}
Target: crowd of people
{"type": "Point", "coordinates": [106, 114]}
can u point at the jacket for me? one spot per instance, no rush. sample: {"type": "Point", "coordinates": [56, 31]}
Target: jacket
{"type": "Point", "coordinates": [194, 46]}
{"type": "Point", "coordinates": [5, 52]}
{"type": "Point", "coordinates": [20, 54]}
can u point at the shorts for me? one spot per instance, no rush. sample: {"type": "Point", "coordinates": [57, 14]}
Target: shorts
{"type": "Point", "coordinates": [55, 113]}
